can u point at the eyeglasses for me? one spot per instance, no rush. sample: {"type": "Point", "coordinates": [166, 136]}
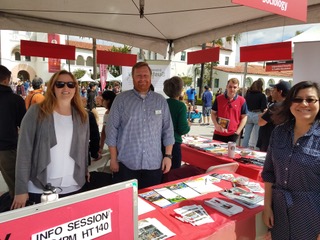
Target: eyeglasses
{"type": "Point", "coordinates": [308, 100]}
{"type": "Point", "coordinates": [60, 84]}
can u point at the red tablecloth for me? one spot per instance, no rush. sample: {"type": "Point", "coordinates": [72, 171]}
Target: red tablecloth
{"type": "Point", "coordinates": [240, 226]}
{"type": "Point", "coordinates": [205, 160]}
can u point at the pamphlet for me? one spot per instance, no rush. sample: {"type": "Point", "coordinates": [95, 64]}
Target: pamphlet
{"type": "Point", "coordinates": [224, 207]}
{"type": "Point", "coordinates": [193, 214]}
{"type": "Point", "coordinates": [156, 198]}
{"type": "Point", "coordinates": [248, 199]}
{"type": "Point", "coordinates": [152, 229]}
{"type": "Point", "coordinates": [204, 184]}
{"type": "Point", "coordinates": [183, 190]}
{"type": "Point", "coordinates": [171, 196]}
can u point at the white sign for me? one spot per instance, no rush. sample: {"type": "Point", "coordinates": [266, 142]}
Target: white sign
{"type": "Point", "coordinates": [160, 73]}
{"type": "Point", "coordinates": [88, 227]}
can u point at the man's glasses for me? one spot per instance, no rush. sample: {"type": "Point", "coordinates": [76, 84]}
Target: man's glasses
{"type": "Point", "coordinates": [60, 84]}
{"type": "Point", "coordinates": [308, 100]}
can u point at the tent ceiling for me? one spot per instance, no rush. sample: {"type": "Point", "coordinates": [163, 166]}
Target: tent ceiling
{"type": "Point", "coordinates": [185, 23]}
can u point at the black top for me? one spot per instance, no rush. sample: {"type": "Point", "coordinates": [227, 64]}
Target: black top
{"type": "Point", "coordinates": [256, 101]}
{"type": "Point", "coordinates": [266, 130]}
{"type": "Point", "coordinates": [12, 109]}
{"type": "Point", "coordinates": [91, 99]}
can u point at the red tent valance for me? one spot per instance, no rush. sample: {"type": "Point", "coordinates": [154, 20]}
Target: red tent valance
{"type": "Point", "coordinates": [115, 58]}
{"type": "Point", "coordinates": [49, 50]}
{"type": "Point", "coordinates": [203, 56]}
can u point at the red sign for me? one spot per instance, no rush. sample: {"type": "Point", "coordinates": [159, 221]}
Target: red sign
{"type": "Point", "coordinates": [296, 9]}
{"type": "Point", "coordinates": [115, 58]}
{"type": "Point", "coordinates": [54, 64]}
{"type": "Point", "coordinates": [110, 216]}
{"type": "Point", "coordinates": [279, 66]}
{"type": "Point", "coordinates": [103, 76]}
{"type": "Point", "coordinates": [266, 52]}
{"type": "Point", "coordinates": [203, 56]}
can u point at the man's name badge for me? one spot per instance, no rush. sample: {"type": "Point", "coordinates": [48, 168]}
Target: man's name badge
{"type": "Point", "coordinates": [158, 112]}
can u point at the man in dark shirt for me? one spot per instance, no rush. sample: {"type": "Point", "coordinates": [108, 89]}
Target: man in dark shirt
{"type": "Point", "coordinates": [12, 108]}
{"type": "Point", "coordinates": [91, 101]}
{"type": "Point", "coordinates": [278, 94]}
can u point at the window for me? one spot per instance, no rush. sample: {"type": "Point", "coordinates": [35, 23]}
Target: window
{"type": "Point", "coordinates": [183, 56]}
{"type": "Point", "coordinates": [17, 56]}
{"type": "Point", "coordinates": [80, 61]}
{"type": "Point", "coordinates": [216, 83]}
{"type": "Point", "coordinates": [28, 59]}
{"type": "Point", "coordinates": [226, 61]}
{"type": "Point", "coordinates": [89, 61]}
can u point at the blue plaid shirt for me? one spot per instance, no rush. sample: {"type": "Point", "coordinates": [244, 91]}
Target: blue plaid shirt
{"type": "Point", "coordinates": [138, 127]}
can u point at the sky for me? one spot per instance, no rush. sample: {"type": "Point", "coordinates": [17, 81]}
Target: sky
{"type": "Point", "coordinates": [272, 35]}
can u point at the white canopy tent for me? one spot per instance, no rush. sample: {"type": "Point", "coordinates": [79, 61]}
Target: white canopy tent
{"type": "Point", "coordinates": [166, 25]}
{"type": "Point", "coordinates": [86, 78]}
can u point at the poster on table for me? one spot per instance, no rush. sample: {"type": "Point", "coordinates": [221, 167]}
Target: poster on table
{"type": "Point", "coordinates": [160, 73]}
{"type": "Point", "coordinates": [106, 213]}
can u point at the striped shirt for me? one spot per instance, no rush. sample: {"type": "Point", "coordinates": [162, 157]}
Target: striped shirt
{"type": "Point", "coordinates": [138, 127]}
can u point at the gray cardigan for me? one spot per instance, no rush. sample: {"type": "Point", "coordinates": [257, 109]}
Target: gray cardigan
{"type": "Point", "coordinates": [36, 138]}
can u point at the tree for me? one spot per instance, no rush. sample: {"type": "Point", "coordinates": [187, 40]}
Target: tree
{"type": "Point", "coordinates": [187, 80]}
{"type": "Point", "coordinates": [116, 70]}
{"type": "Point", "coordinates": [79, 73]}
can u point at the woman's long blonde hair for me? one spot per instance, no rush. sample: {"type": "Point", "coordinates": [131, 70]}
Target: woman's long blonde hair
{"type": "Point", "coordinates": [50, 102]}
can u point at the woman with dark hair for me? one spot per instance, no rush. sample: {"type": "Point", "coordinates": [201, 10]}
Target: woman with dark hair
{"type": "Point", "coordinates": [292, 168]}
{"type": "Point", "coordinates": [257, 103]}
{"type": "Point", "coordinates": [53, 143]}
{"type": "Point", "coordinates": [107, 100]}
{"type": "Point", "coordinates": [173, 88]}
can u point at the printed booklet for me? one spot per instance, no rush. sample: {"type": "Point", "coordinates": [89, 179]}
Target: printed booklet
{"type": "Point", "coordinates": [152, 229]}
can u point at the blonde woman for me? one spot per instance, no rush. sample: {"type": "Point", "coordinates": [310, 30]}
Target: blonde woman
{"type": "Point", "coordinates": [53, 143]}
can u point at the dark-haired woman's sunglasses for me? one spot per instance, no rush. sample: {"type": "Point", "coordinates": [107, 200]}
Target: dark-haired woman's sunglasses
{"type": "Point", "coordinates": [308, 100]}
{"type": "Point", "coordinates": [60, 84]}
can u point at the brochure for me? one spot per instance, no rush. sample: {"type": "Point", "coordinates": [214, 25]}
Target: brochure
{"type": "Point", "coordinates": [193, 214]}
{"type": "Point", "coordinates": [171, 196]}
{"type": "Point", "coordinates": [204, 184]}
{"type": "Point", "coordinates": [224, 122]}
{"type": "Point", "coordinates": [224, 207]}
{"type": "Point", "coordinates": [152, 229]}
{"type": "Point", "coordinates": [248, 199]}
{"type": "Point", "coordinates": [183, 190]}
{"type": "Point", "coordinates": [155, 198]}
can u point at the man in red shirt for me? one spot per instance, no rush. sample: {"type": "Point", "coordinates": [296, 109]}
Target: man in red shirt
{"type": "Point", "coordinates": [229, 113]}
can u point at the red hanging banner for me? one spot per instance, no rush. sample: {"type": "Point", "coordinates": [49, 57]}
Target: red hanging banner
{"type": "Point", "coordinates": [203, 56]}
{"type": "Point", "coordinates": [266, 52]}
{"type": "Point", "coordinates": [296, 9]}
{"type": "Point", "coordinates": [49, 50]}
{"type": "Point", "coordinates": [54, 64]}
{"type": "Point", "coordinates": [115, 58]}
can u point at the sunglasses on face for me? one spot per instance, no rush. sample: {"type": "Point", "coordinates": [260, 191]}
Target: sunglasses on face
{"type": "Point", "coordinates": [308, 100]}
{"type": "Point", "coordinates": [60, 84]}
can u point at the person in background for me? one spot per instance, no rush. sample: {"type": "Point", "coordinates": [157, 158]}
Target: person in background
{"type": "Point", "coordinates": [20, 89]}
{"type": "Point", "coordinates": [12, 110]}
{"type": "Point", "coordinates": [206, 105]}
{"type": "Point", "coordinates": [257, 103]}
{"type": "Point", "coordinates": [35, 96]}
{"type": "Point", "coordinates": [291, 171]}
{"type": "Point", "coordinates": [107, 100]}
{"type": "Point", "coordinates": [172, 87]}
{"type": "Point", "coordinates": [91, 100]}
{"type": "Point", "coordinates": [229, 113]}
{"type": "Point", "coordinates": [53, 143]}
{"type": "Point", "coordinates": [218, 92]}
{"type": "Point", "coordinates": [116, 88]}
{"type": "Point", "coordinates": [265, 122]}
{"type": "Point", "coordinates": [94, 140]}
{"type": "Point", "coordinates": [191, 93]}
{"type": "Point", "coordinates": [139, 124]}
{"type": "Point", "coordinates": [269, 96]}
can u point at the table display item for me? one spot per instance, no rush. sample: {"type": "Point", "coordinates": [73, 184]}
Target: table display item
{"type": "Point", "coordinates": [224, 207]}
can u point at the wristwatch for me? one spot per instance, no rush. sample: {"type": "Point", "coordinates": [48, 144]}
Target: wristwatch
{"type": "Point", "coordinates": [168, 156]}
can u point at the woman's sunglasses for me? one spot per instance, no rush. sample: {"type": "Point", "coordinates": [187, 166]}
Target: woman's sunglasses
{"type": "Point", "coordinates": [60, 84]}
{"type": "Point", "coordinates": [308, 100]}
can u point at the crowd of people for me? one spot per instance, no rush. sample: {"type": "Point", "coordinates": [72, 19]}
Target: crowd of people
{"type": "Point", "coordinates": [51, 138]}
